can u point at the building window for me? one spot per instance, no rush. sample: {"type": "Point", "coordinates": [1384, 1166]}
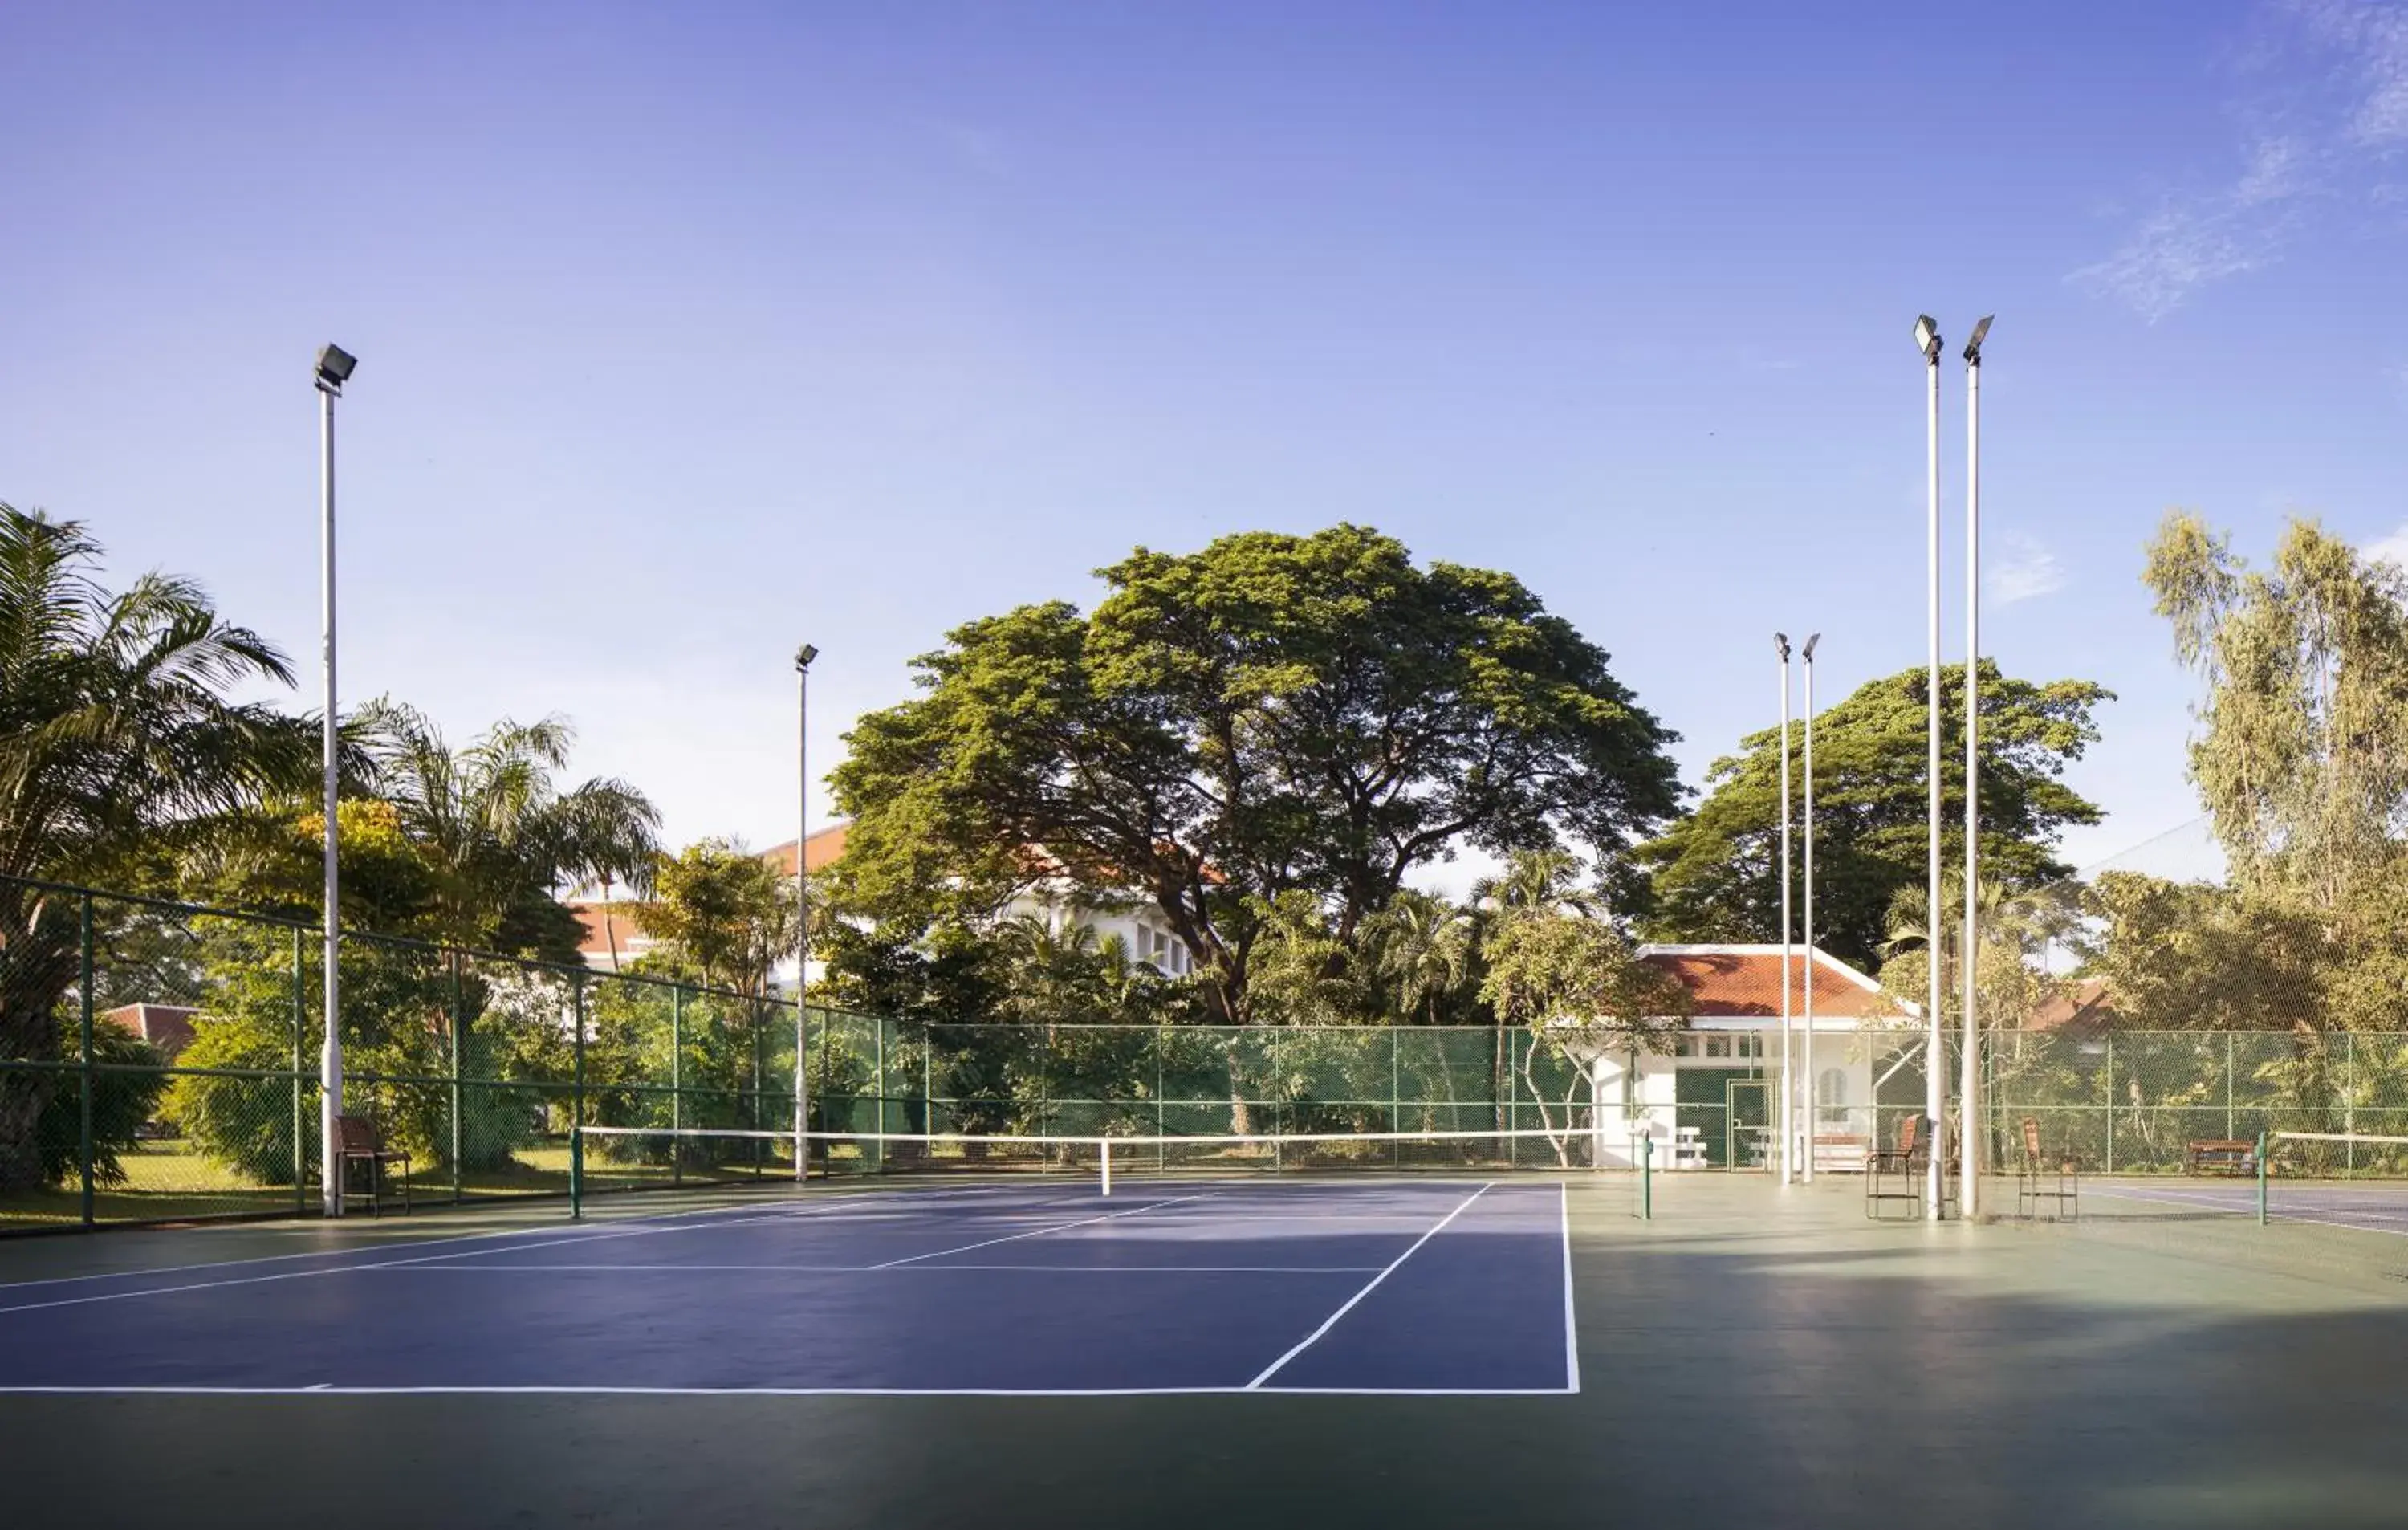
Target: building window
{"type": "Point", "coordinates": [1831, 1096]}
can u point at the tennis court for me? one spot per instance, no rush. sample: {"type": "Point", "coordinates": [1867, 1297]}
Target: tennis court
{"type": "Point", "coordinates": [1376, 1349]}
{"type": "Point", "coordinates": [1450, 1286]}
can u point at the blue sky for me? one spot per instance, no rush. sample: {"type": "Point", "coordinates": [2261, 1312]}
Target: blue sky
{"type": "Point", "coordinates": [688, 332]}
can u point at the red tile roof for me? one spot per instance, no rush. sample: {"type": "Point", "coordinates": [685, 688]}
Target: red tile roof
{"type": "Point", "coordinates": [820, 850]}
{"type": "Point", "coordinates": [2085, 1005]}
{"type": "Point", "coordinates": [165, 1026]}
{"type": "Point", "coordinates": [1744, 983]}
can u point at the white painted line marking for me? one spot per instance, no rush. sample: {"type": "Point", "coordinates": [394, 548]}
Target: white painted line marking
{"type": "Point", "coordinates": [876, 1269]}
{"type": "Point", "coordinates": [851, 1200]}
{"type": "Point", "coordinates": [1572, 1326]}
{"type": "Point", "coordinates": [328, 1391]}
{"type": "Point", "coordinates": [1040, 1231]}
{"type": "Point", "coordinates": [2249, 1208]}
{"type": "Point", "coordinates": [804, 1214]}
{"type": "Point", "coordinates": [1331, 1321]}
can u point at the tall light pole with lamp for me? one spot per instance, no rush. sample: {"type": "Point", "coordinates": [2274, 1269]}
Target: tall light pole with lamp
{"type": "Point", "coordinates": [803, 657]}
{"type": "Point", "coordinates": [335, 367]}
{"type": "Point", "coordinates": [1786, 1119]}
{"type": "Point", "coordinates": [1813, 1102]}
{"type": "Point", "coordinates": [1970, 1061]}
{"type": "Point", "coordinates": [1935, 1101]}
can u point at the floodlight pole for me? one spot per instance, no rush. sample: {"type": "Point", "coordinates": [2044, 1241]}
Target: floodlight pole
{"type": "Point", "coordinates": [1788, 1077]}
{"type": "Point", "coordinates": [803, 657]}
{"type": "Point", "coordinates": [334, 367]}
{"type": "Point", "coordinates": [1970, 1062]}
{"type": "Point", "coordinates": [1812, 1106]}
{"type": "Point", "coordinates": [1935, 1102]}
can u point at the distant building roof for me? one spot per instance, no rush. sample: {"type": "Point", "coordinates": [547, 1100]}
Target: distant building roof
{"type": "Point", "coordinates": [167, 1027]}
{"type": "Point", "coordinates": [820, 850]}
{"type": "Point", "coordinates": [1738, 982]}
{"type": "Point", "coordinates": [2083, 1006]}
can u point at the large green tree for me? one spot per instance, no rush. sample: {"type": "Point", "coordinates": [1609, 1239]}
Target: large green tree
{"type": "Point", "coordinates": [1273, 715]}
{"type": "Point", "coordinates": [119, 744]}
{"type": "Point", "coordinates": [1717, 872]}
{"type": "Point", "coordinates": [2301, 755]}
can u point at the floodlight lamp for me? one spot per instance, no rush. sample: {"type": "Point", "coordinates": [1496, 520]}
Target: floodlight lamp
{"type": "Point", "coordinates": [335, 365]}
{"type": "Point", "coordinates": [1973, 346]}
{"type": "Point", "coordinates": [803, 657]}
{"type": "Point", "coordinates": [1781, 643]}
{"type": "Point", "coordinates": [1926, 338]}
{"type": "Point", "coordinates": [1809, 649]}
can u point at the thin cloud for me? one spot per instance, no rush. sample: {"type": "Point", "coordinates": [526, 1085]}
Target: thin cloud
{"type": "Point", "coordinates": [2327, 98]}
{"type": "Point", "coordinates": [2192, 242]}
{"type": "Point", "coordinates": [2392, 549]}
{"type": "Point", "coordinates": [2028, 572]}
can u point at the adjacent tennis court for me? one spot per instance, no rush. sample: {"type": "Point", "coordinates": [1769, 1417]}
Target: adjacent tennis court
{"type": "Point", "coordinates": [1445, 1286]}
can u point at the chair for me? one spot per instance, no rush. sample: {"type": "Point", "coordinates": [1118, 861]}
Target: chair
{"type": "Point", "coordinates": [358, 1141]}
{"type": "Point", "coordinates": [1906, 1160]}
{"type": "Point", "coordinates": [2035, 1182]}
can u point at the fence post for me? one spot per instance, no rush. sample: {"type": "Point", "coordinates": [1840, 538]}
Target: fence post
{"type": "Point", "coordinates": [2227, 1086]}
{"type": "Point", "coordinates": [752, 1012]}
{"type": "Point", "coordinates": [84, 1148]}
{"type": "Point", "coordinates": [2349, 1100]}
{"type": "Point", "coordinates": [1395, 1098]}
{"type": "Point", "coordinates": [677, 1083]}
{"type": "Point", "coordinates": [459, 1021]}
{"type": "Point", "coordinates": [2110, 1102]}
{"type": "Point", "coordinates": [577, 1103]}
{"type": "Point", "coordinates": [878, 1143]}
{"type": "Point", "coordinates": [300, 1062]}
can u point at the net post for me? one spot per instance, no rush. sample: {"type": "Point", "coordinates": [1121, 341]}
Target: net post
{"type": "Point", "coordinates": [459, 1016]}
{"type": "Point", "coordinates": [1107, 1166]}
{"type": "Point", "coordinates": [300, 1074]}
{"type": "Point", "coordinates": [2261, 1179]}
{"type": "Point", "coordinates": [83, 1144]}
{"type": "Point", "coordinates": [576, 1106]}
{"type": "Point", "coordinates": [1647, 1177]}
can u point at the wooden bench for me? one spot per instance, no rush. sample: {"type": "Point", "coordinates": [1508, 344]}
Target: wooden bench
{"type": "Point", "coordinates": [2219, 1155]}
{"type": "Point", "coordinates": [358, 1141]}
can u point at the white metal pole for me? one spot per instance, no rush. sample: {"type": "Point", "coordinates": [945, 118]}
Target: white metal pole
{"type": "Point", "coordinates": [1788, 1077]}
{"type": "Point", "coordinates": [330, 1057]}
{"type": "Point", "coordinates": [1970, 1061]}
{"type": "Point", "coordinates": [802, 914]}
{"type": "Point", "coordinates": [1935, 1101]}
{"type": "Point", "coordinates": [1812, 1104]}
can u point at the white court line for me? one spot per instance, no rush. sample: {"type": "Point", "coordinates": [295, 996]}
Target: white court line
{"type": "Point", "coordinates": [2250, 1209]}
{"type": "Point", "coordinates": [1331, 1321]}
{"type": "Point", "coordinates": [326, 1390]}
{"type": "Point", "coordinates": [881, 1269]}
{"type": "Point", "coordinates": [789, 1214]}
{"type": "Point", "coordinates": [851, 1200]}
{"type": "Point", "coordinates": [1572, 1326]}
{"type": "Point", "coordinates": [1040, 1232]}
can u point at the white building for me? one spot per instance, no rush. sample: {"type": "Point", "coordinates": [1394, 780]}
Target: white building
{"type": "Point", "coordinates": [1714, 1098]}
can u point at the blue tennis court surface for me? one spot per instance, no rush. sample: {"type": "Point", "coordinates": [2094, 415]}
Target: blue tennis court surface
{"type": "Point", "coordinates": [2367, 1208]}
{"type": "Point", "coordinates": [1451, 1286]}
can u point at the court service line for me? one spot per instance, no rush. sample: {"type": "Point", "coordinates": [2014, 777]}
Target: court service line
{"type": "Point", "coordinates": [1038, 1232]}
{"type": "Point", "coordinates": [326, 1389]}
{"type": "Point", "coordinates": [1331, 1321]}
{"type": "Point", "coordinates": [1572, 1326]}
{"type": "Point", "coordinates": [851, 1200]}
{"type": "Point", "coordinates": [803, 1215]}
{"type": "Point", "coordinates": [880, 1269]}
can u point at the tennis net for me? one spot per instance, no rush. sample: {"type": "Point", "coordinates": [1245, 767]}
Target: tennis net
{"type": "Point", "coordinates": [625, 1157]}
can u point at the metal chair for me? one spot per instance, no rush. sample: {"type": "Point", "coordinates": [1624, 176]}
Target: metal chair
{"type": "Point", "coordinates": [2035, 1182]}
{"type": "Point", "coordinates": [358, 1141]}
{"type": "Point", "coordinates": [1906, 1160]}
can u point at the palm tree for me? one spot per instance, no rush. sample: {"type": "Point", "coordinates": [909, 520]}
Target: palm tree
{"type": "Point", "coordinates": [1421, 950]}
{"type": "Point", "coordinates": [118, 748]}
{"type": "Point", "coordinates": [499, 829]}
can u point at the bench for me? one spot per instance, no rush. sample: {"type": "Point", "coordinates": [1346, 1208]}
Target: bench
{"type": "Point", "coordinates": [2219, 1155]}
{"type": "Point", "coordinates": [358, 1141]}
{"type": "Point", "coordinates": [1895, 1173]}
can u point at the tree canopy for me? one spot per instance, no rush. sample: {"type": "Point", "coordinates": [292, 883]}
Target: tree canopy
{"type": "Point", "coordinates": [1273, 715]}
{"type": "Point", "coordinates": [1717, 871]}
